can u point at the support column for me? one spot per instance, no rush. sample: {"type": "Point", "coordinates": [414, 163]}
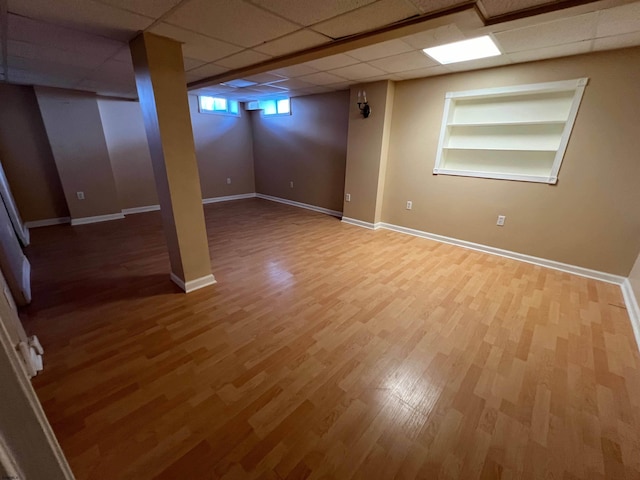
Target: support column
{"type": "Point", "coordinates": [367, 147]}
{"type": "Point", "coordinates": [162, 90]}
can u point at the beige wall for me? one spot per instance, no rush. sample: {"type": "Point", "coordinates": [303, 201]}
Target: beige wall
{"type": "Point", "coordinates": [367, 149]}
{"type": "Point", "coordinates": [591, 218]}
{"type": "Point", "coordinates": [74, 128]}
{"type": "Point", "coordinates": [224, 150]}
{"type": "Point", "coordinates": [26, 156]}
{"type": "Point", "coordinates": [307, 147]}
{"type": "Point", "coordinates": [129, 152]}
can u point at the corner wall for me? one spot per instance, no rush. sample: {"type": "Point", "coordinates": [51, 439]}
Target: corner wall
{"type": "Point", "coordinates": [74, 128]}
{"type": "Point", "coordinates": [308, 148]}
{"type": "Point", "coordinates": [591, 218]}
{"type": "Point", "coordinates": [224, 150]}
{"type": "Point", "coordinates": [26, 156]}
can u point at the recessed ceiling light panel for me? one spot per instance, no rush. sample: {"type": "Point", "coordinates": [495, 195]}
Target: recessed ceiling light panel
{"type": "Point", "coordinates": [472, 49]}
{"type": "Point", "coordinates": [239, 83]}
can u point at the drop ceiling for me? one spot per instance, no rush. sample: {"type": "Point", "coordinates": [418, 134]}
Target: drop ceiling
{"type": "Point", "coordinates": [83, 44]}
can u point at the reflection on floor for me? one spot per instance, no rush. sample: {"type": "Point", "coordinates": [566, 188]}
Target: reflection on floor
{"type": "Point", "coordinates": [327, 351]}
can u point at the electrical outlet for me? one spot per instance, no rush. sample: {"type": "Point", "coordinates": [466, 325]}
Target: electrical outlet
{"type": "Point", "coordinates": [228, 180]}
{"type": "Point", "coordinates": [80, 195]}
{"type": "Point", "coordinates": [347, 197]}
{"type": "Point", "coordinates": [501, 219]}
{"type": "Point", "coordinates": [409, 205]}
{"type": "Point", "coordinates": [291, 184]}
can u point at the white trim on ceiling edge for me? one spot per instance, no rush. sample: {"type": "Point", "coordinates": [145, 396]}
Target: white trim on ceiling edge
{"type": "Point", "coordinates": [192, 285]}
{"type": "Point", "coordinates": [96, 219]}
{"type": "Point", "coordinates": [333, 213]}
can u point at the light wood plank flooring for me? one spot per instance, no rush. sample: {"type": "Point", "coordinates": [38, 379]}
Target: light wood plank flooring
{"type": "Point", "coordinates": [327, 351]}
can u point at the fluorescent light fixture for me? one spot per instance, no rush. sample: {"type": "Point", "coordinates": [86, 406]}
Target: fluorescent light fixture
{"type": "Point", "coordinates": [239, 83]}
{"type": "Point", "coordinates": [472, 49]}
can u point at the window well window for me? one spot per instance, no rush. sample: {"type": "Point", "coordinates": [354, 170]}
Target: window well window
{"type": "Point", "coordinates": [218, 105]}
{"type": "Point", "coordinates": [511, 133]}
{"type": "Point", "coordinates": [279, 106]}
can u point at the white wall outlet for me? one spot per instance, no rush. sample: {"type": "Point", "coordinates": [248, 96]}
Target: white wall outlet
{"type": "Point", "coordinates": [80, 195]}
{"type": "Point", "coordinates": [291, 184]}
{"type": "Point", "coordinates": [347, 197]}
{"type": "Point", "coordinates": [501, 219]}
{"type": "Point", "coordinates": [228, 180]}
{"type": "Point", "coordinates": [409, 205]}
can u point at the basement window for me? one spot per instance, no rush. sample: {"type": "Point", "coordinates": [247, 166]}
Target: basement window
{"type": "Point", "coordinates": [508, 133]}
{"type": "Point", "coordinates": [277, 106]}
{"type": "Point", "coordinates": [218, 105]}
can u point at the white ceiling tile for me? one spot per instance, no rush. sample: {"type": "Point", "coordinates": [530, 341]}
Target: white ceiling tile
{"type": "Point", "coordinates": [552, 52]}
{"type": "Point", "coordinates": [495, 8]}
{"type": "Point", "coordinates": [154, 8]}
{"type": "Point", "coordinates": [265, 78]}
{"type": "Point", "coordinates": [191, 63]}
{"type": "Point", "coordinates": [404, 62]}
{"type": "Point", "coordinates": [269, 89]}
{"type": "Point", "coordinates": [204, 71]}
{"type": "Point", "coordinates": [331, 62]}
{"type": "Point", "coordinates": [294, 84]}
{"type": "Point", "coordinates": [617, 41]}
{"type": "Point", "coordinates": [380, 50]}
{"type": "Point", "coordinates": [46, 68]}
{"type": "Point", "coordinates": [308, 13]}
{"type": "Point", "coordinates": [357, 72]}
{"type": "Point", "coordinates": [48, 79]}
{"type": "Point", "coordinates": [423, 72]}
{"type": "Point", "coordinates": [85, 15]}
{"type": "Point", "coordinates": [322, 78]}
{"type": "Point", "coordinates": [195, 45]}
{"type": "Point", "coordinates": [41, 33]}
{"type": "Point", "coordinates": [383, 12]}
{"type": "Point", "coordinates": [295, 71]}
{"type": "Point", "coordinates": [232, 21]}
{"type": "Point", "coordinates": [434, 37]}
{"type": "Point", "coordinates": [242, 59]}
{"type": "Point", "coordinates": [568, 30]}
{"type": "Point", "coordinates": [300, 40]}
{"type": "Point", "coordinates": [431, 6]}
{"type": "Point", "coordinates": [106, 88]}
{"type": "Point", "coordinates": [619, 20]}
{"type": "Point", "coordinates": [123, 55]}
{"type": "Point", "coordinates": [45, 53]}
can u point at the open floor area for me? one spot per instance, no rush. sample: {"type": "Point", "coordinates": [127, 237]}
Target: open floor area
{"type": "Point", "coordinates": [326, 350]}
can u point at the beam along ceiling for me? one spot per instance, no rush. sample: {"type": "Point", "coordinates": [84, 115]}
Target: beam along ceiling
{"type": "Point", "coordinates": [82, 44]}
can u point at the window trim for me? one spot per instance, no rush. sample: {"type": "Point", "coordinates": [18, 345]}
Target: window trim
{"type": "Point", "coordinates": [226, 112]}
{"type": "Point", "coordinates": [276, 100]}
{"type": "Point", "coordinates": [576, 86]}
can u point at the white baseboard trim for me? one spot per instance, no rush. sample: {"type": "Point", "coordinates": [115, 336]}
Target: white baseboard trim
{"type": "Point", "coordinates": [96, 219]}
{"type": "Point", "coordinates": [333, 213]}
{"type": "Point", "coordinates": [192, 285]}
{"type": "Point", "coordinates": [147, 208]}
{"type": "Point", "coordinates": [360, 223]}
{"type": "Point", "coordinates": [228, 198]}
{"type": "Point", "coordinates": [633, 309]}
{"type": "Point", "coordinates": [543, 262]}
{"type": "Point", "coordinates": [47, 222]}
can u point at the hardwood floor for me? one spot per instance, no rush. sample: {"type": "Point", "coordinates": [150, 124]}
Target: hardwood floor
{"type": "Point", "coordinates": [327, 351]}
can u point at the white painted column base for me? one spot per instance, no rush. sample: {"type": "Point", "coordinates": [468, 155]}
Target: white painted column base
{"type": "Point", "coordinates": [192, 285]}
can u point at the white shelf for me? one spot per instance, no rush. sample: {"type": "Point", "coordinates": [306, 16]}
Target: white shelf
{"type": "Point", "coordinates": [505, 149]}
{"type": "Point", "coordinates": [513, 133]}
{"type": "Point", "coordinates": [523, 123]}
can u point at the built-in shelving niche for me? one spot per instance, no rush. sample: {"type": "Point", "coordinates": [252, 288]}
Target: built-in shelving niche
{"type": "Point", "coordinates": [511, 133]}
